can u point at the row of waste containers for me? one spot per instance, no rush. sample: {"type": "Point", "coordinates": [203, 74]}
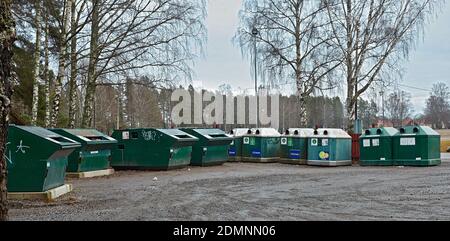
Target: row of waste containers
{"type": "Point", "coordinates": [320, 147]}
{"type": "Point", "coordinates": [407, 146]}
{"type": "Point", "coordinates": [39, 158]}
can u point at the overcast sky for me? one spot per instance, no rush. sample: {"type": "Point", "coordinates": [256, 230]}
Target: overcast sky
{"type": "Point", "coordinates": [429, 62]}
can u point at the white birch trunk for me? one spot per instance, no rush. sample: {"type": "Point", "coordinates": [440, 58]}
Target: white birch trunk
{"type": "Point", "coordinates": [61, 66]}
{"type": "Point", "coordinates": [73, 68]}
{"type": "Point", "coordinates": [46, 76]}
{"type": "Point", "coordinates": [37, 54]}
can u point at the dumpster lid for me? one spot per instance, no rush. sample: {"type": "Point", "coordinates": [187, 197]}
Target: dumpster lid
{"type": "Point", "coordinates": [264, 132]}
{"type": "Point", "coordinates": [87, 136]}
{"type": "Point", "coordinates": [417, 130]}
{"type": "Point", "coordinates": [383, 131]}
{"type": "Point", "coordinates": [331, 133]}
{"type": "Point", "coordinates": [176, 133]}
{"type": "Point", "coordinates": [300, 132]}
{"type": "Point", "coordinates": [49, 135]}
{"type": "Point", "coordinates": [239, 132]}
{"type": "Point", "coordinates": [209, 134]}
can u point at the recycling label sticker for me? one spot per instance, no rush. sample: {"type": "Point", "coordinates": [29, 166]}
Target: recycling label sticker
{"type": "Point", "coordinates": [232, 152]}
{"type": "Point", "coordinates": [376, 142]}
{"type": "Point", "coordinates": [366, 143]}
{"type": "Point", "coordinates": [246, 140]}
{"type": "Point", "coordinates": [324, 142]}
{"type": "Point", "coordinates": [408, 141]}
{"type": "Point", "coordinates": [314, 142]}
{"type": "Point", "coordinates": [284, 141]}
{"type": "Point", "coordinates": [125, 135]}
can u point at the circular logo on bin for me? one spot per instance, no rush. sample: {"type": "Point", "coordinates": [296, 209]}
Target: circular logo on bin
{"type": "Point", "coordinates": [324, 155]}
{"type": "Point", "coordinates": [314, 142]}
{"type": "Point", "coordinates": [283, 141]}
{"type": "Point", "coordinates": [246, 140]}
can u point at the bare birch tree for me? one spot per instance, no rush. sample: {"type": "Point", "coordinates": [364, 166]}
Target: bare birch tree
{"type": "Point", "coordinates": [45, 71]}
{"type": "Point", "coordinates": [373, 37]}
{"type": "Point", "coordinates": [156, 38]}
{"type": "Point", "coordinates": [7, 38]}
{"type": "Point", "coordinates": [292, 44]}
{"type": "Point", "coordinates": [61, 62]}
{"type": "Point", "coordinates": [74, 30]}
{"type": "Point", "coordinates": [37, 56]}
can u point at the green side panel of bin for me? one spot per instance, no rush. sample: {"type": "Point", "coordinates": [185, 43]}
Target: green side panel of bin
{"type": "Point", "coordinates": [294, 150]}
{"type": "Point", "coordinates": [417, 146]}
{"type": "Point", "coordinates": [212, 147]}
{"type": "Point", "coordinates": [152, 149]}
{"type": "Point", "coordinates": [332, 149]}
{"type": "Point", "coordinates": [261, 145]}
{"type": "Point", "coordinates": [376, 147]}
{"type": "Point", "coordinates": [37, 158]}
{"type": "Point", "coordinates": [294, 145]}
{"type": "Point", "coordinates": [235, 149]}
{"type": "Point", "coordinates": [95, 150]}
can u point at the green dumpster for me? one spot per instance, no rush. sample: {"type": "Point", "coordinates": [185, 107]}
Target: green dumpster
{"type": "Point", "coordinates": [376, 145]}
{"type": "Point", "coordinates": [235, 149]}
{"type": "Point", "coordinates": [37, 158]}
{"type": "Point", "coordinates": [212, 147]}
{"type": "Point", "coordinates": [329, 147]}
{"type": "Point", "coordinates": [94, 153]}
{"type": "Point", "coordinates": [151, 149]}
{"type": "Point", "coordinates": [417, 146]}
{"type": "Point", "coordinates": [261, 145]}
{"type": "Point", "coordinates": [294, 145]}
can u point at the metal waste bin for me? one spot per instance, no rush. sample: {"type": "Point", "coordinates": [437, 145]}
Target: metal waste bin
{"type": "Point", "coordinates": [261, 145]}
{"type": "Point", "coordinates": [212, 147]}
{"type": "Point", "coordinates": [329, 147]}
{"type": "Point", "coordinates": [417, 146]}
{"type": "Point", "coordinates": [235, 149]}
{"type": "Point", "coordinates": [94, 153]}
{"type": "Point", "coordinates": [376, 145]}
{"type": "Point", "coordinates": [37, 158]}
{"type": "Point", "coordinates": [294, 145]}
{"type": "Point", "coordinates": [151, 149]}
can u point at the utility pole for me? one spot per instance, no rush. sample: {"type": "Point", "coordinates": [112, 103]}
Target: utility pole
{"type": "Point", "coordinates": [382, 104]}
{"type": "Point", "coordinates": [356, 101]}
{"type": "Point", "coordinates": [118, 112]}
{"type": "Point", "coordinates": [255, 33]}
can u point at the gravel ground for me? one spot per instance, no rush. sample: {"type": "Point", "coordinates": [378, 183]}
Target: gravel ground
{"type": "Point", "coordinates": [241, 191]}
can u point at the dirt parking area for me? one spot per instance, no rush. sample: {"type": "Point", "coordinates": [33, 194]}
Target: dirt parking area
{"type": "Point", "coordinates": [243, 191]}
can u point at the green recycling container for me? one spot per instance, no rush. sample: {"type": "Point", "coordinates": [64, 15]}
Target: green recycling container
{"type": "Point", "coordinates": [235, 149]}
{"type": "Point", "coordinates": [37, 158]}
{"type": "Point", "coordinates": [294, 145]}
{"type": "Point", "coordinates": [375, 147]}
{"type": "Point", "coordinates": [94, 153]}
{"type": "Point", "coordinates": [417, 146]}
{"type": "Point", "coordinates": [151, 149]}
{"type": "Point", "coordinates": [329, 147]}
{"type": "Point", "coordinates": [212, 147]}
{"type": "Point", "coordinates": [261, 145]}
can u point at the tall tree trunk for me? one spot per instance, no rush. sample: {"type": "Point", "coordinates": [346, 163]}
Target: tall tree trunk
{"type": "Point", "coordinates": [351, 81]}
{"type": "Point", "coordinates": [37, 55]}
{"type": "Point", "coordinates": [298, 70]}
{"type": "Point", "coordinates": [61, 65]}
{"type": "Point", "coordinates": [92, 75]}
{"type": "Point", "coordinates": [73, 68]}
{"type": "Point", "coordinates": [46, 76]}
{"type": "Point", "coordinates": [7, 38]}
